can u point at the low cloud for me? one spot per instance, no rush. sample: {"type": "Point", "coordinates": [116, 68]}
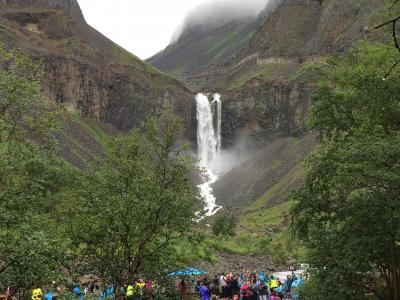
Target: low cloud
{"type": "Point", "coordinates": [219, 12]}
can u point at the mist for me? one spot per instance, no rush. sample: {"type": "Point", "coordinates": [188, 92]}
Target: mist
{"type": "Point", "coordinates": [219, 12]}
{"type": "Point", "coordinates": [242, 149]}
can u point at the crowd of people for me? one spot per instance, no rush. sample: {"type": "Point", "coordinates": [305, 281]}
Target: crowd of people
{"type": "Point", "coordinates": [246, 286]}
{"type": "Point", "coordinates": [138, 289]}
{"type": "Point", "coordinates": [243, 286]}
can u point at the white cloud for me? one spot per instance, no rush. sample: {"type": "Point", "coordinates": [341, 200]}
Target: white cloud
{"type": "Point", "coordinates": [213, 13]}
{"type": "Point", "coordinates": [145, 27]}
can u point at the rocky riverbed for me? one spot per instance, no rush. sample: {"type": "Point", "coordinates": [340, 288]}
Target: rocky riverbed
{"type": "Point", "coordinates": [235, 263]}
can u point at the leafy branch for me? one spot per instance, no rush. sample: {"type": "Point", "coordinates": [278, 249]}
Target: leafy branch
{"type": "Point", "coordinates": [393, 22]}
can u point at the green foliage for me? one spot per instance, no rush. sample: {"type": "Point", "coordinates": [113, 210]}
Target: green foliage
{"type": "Point", "coordinates": [258, 73]}
{"type": "Point", "coordinates": [24, 112]}
{"type": "Point", "coordinates": [136, 205]}
{"type": "Point", "coordinates": [284, 249]}
{"type": "Point", "coordinates": [191, 249]}
{"type": "Point", "coordinates": [32, 246]}
{"type": "Point", "coordinates": [348, 212]}
{"type": "Point", "coordinates": [126, 215]}
{"type": "Point", "coordinates": [264, 217]}
{"type": "Point", "coordinates": [224, 225]}
{"type": "Point", "coordinates": [241, 243]}
{"type": "Point", "coordinates": [309, 72]}
{"type": "Point", "coordinates": [354, 93]}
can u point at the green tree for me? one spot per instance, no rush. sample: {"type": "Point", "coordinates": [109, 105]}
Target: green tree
{"type": "Point", "coordinates": [25, 114]}
{"type": "Point", "coordinates": [285, 250]}
{"type": "Point", "coordinates": [348, 212]}
{"type": "Point", "coordinates": [224, 225]}
{"type": "Point", "coordinates": [137, 203]}
{"type": "Point", "coordinates": [32, 248]}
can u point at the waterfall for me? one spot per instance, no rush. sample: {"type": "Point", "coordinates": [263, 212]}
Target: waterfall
{"type": "Point", "coordinates": [217, 101]}
{"type": "Point", "coordinates": [209, 147]}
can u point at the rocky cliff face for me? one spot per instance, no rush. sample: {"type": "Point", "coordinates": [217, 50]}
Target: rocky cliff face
{"type": "Point", "coordinates": [294, 38]}
{"type": "Point", "coordinates": [259, 93]}
{"type": "Point", "coordinates": [271, 109]}
{"type": "Point", "coordinates": [85, 71]}
{"type": "Point", "coordinates": [301, 28]}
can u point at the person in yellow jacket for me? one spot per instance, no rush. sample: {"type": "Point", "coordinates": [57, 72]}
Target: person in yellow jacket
{"type": "Point", "coordinates": [37, 294]}
{"type": "Point", "coordinates": [139, 287]}
{"type": "Point", "coordinates": [130, 291]}
{"type": "Point", "coordinates": [273, 283]}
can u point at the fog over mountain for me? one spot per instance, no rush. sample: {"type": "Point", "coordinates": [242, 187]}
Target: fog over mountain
{"type": "Point", "coordinates": [219, 12]}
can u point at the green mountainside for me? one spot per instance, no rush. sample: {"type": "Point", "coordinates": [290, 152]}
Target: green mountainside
{"type": "Point", "coordinates": [200, 50]}
{"type": "Point", "coordinates": [87, 73]}
{"type": "Point", "coordinates": [297, 31]}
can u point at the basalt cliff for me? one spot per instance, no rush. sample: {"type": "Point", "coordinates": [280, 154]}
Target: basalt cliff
{"type": "Point", "coordinates": [267, 68]}
{"type": "Point", "coordinates": [85, 71]}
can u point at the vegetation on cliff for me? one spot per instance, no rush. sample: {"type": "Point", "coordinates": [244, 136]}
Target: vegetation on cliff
{"type": "Point", "coordinates": [348, 213]}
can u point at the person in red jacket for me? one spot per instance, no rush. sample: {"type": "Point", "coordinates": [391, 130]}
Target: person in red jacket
{"type": "Point", "coordinates": [245, 291]}
{"type": "Point", "coordinates": [183, 289]}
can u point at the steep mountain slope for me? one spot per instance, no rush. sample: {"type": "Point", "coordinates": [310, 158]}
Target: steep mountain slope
{"type": "Point", "coordinates": [296, 30]}
{"type": "Point", "coordinates": [266, 87]}
{"type": "Point", "coordinates": [200, 50]}
{"type": "Point", "coordinates": [85, 71]}
{"type": "Point", "coordinates": [307, 27]}
{"type": "Point", "coordinates": [270, 93]}
{"type": "Point", "coordinates": [267, 176]}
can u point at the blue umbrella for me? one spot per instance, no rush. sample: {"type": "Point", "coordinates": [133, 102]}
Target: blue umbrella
{"type": "Point", "coordinates": [189, 271]}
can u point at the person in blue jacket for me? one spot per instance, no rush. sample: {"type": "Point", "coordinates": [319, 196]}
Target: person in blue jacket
{"type": "Point", "coordinates": [205, 292]}
{"type": "Point", "coordinates": [110, 291]}
{"type": "Point", "coordinates": [78, 292]}
{"type": "Point", "coordinates": [48, 295]}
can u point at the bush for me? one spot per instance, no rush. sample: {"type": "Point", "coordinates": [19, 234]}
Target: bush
{"type": "Point", "coordinates": [224, 225]}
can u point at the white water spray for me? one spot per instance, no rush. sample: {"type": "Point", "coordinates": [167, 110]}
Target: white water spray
{"type": "Point", "coordinates": [217, 101]}
{"type": "Point", "coordinates": [209, 147]}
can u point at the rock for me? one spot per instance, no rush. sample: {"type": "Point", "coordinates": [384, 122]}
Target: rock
{"type": "Point", "coordinates": [236, 263]}
{"type": "Point", "coordinates": [88, 73]}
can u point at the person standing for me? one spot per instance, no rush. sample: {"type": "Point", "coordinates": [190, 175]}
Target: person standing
{"type": "Point", "coordinates": [205, 292]}
{"type": "Point", "coordinates": [274, 296]}
{"type": "Point", "coordinates": [37, 294]}
{"type": "Point", "coordinates": [139, 288]}
{"type": "Point", "coordinates": [130, 292]}
{"type": "Point", "coordinates": [245, 291]}
{"type": "Point", "coordinates": [197, 287]}
{"type": "Point", "coordinates": [229, 286]}
{"type": "Point", "coordinates": [287, 286]}
{"type": "Point", "coordinates": [262, 291]}
{"type": "Point", "coordinates": [235, 286]}
{"type": "Point", "coordinates": [273, 283]}
{"type": "Point", "coordinates": [183, 290]}
{"type": "Point", "coordinates": [253, 289]}
{"type": "Point", "coordinates": [222, 286]}
{"type": "Point", "coordinates": [49, 295]}
{"type": "Point", "coordinates": [149, 289]}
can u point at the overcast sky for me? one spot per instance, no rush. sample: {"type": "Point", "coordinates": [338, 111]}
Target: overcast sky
{"type": "Point", "coordinates": [143, 27]}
